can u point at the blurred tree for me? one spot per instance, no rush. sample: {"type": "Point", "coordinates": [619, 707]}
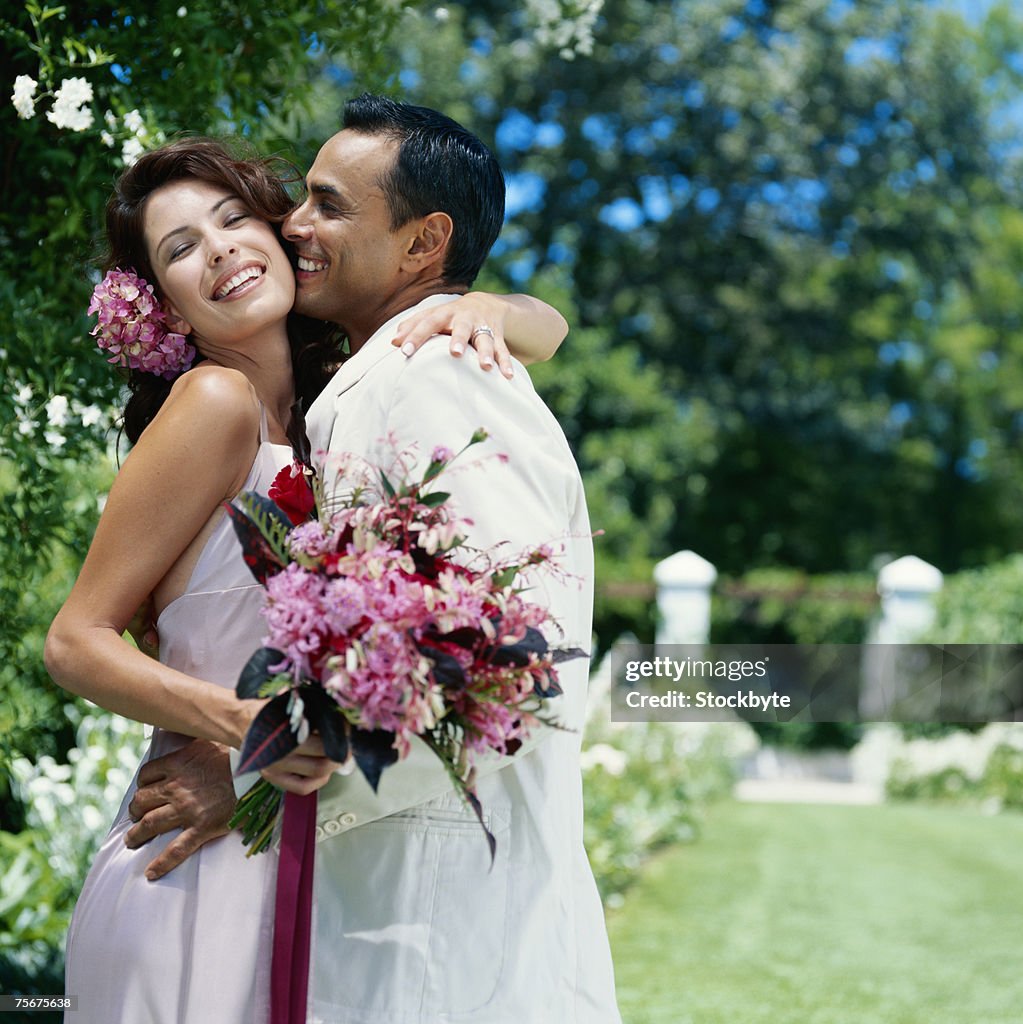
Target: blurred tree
{"type": "Point", "coordinates": [783, 214]}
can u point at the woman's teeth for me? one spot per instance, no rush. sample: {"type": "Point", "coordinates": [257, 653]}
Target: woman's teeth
{"type": "Point", "coordinates": [237, 280]}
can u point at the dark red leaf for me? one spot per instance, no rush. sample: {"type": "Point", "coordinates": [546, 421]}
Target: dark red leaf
{"type": "Point", "coordinates": [552, 689]}
{"type": "Point", "coordinates": [447, 670]}
{"type": "Point", "coordinates": [269, 737]}
{"type": "Point", "coordinates": [560, 654]}
{"type": "Point", "coordinates": [517, 654]}
{"type": "Point", "coordinates": [257, 671]}
{"type": "Point", "coordinates": [474, 803]}
{"type": "Point", "coordinates": [256, 553]}
{"type": "Point", "coordinates": [325, 717]}
{"type": "Point", "coordinates": [374, 751]}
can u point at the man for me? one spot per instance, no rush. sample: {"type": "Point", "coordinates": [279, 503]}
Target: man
{"type": "Point", "coordinates": [412, 921]}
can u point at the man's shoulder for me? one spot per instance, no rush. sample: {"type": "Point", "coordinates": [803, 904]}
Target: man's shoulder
{"type": "Point", "coordinates": [450, 377]}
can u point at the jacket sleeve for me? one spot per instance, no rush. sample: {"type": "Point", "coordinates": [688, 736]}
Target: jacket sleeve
{"type": "Point", "coordinates": [531, 496]}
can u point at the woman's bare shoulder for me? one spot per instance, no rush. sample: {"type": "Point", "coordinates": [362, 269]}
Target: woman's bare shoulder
{"type": "Point", "coordinates": [216, 399]}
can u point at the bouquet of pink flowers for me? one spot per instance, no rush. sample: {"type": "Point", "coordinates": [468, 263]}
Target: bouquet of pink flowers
{"type": "Point", "coordinates": [378, 633]}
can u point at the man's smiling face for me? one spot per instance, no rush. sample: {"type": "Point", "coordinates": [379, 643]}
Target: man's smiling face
{"type": "Point", "coordinates": [349, 256]}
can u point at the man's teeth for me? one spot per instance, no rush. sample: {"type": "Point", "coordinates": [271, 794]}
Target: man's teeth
{"type": "Point", "coordinates": [307, 264]}
{"type": "Point", "coordinates": [238, 279]}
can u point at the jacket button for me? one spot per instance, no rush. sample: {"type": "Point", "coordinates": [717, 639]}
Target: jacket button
{"type": "Point", "coordinates": [331, 827]}
{"type": "Point", "coordinates": [319, 833]}
{"type": "Point", "coordinates": [347, 819]}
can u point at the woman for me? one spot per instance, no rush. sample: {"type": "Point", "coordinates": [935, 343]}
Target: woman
{"type": "Point", "coordinates": [194, 946]}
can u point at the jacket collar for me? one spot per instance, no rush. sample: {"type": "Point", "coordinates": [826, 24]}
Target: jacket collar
{"type": "Point", "coordinates": [376, 348]}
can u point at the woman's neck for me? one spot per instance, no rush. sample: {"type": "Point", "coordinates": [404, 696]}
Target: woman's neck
{"type": "Point", "coordinates": [265, 359]}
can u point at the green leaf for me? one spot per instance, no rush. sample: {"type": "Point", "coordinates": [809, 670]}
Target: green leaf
{"type": "Point", "coordinates": [433, 470]}
{"type": "Point", "coordinates": [505, 577]}
{"type": "Point", "coordinates": [434, 499]}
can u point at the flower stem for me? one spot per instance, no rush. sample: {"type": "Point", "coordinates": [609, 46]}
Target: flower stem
{"type": "Point", "coordinates": [256, 815]}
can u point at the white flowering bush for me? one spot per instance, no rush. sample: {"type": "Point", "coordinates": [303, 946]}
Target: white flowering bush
{"type": "Point", "coordinates": [984, 767]}
{"type": "Point", "coordinates": [69, 807]}
{"type": "Point", "coordinates": [645, 784]}
{"type": "Point", "coordinates": [74, 803]}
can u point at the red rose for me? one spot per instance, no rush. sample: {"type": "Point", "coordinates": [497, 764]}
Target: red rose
{"type": "Point", "coordinates": [292, 492]}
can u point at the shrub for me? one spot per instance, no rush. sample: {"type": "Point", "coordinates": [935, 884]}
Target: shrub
{"type": "Point", "coordinates": [68, 810]}
{"type": "Point", "coordinates": [981, 606]}
{"type": "Point", "coordinates": [646, 784]}
{"type": "Point", "coordinates": [984, 767]}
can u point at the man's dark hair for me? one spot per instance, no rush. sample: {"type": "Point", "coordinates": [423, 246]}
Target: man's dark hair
{"type": "Point", "coordinates": [440, 166]}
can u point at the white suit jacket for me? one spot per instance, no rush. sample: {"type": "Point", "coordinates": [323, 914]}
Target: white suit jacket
{"type": "Point", "coordinates": [412, 923]}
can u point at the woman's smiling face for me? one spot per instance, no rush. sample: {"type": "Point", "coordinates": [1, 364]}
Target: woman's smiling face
{"type": "Point", "coordinates": [220, 269]}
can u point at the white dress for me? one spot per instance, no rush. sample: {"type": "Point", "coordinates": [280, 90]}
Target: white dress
{"type": "Point", "coordinates": [193, 946]}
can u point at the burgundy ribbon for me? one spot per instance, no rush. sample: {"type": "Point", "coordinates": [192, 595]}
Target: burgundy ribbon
{"type": "Point", "coordinates": [289, 971]}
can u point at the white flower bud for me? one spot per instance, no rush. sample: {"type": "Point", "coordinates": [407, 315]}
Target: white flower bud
{"type": "Point", "coordinates": [69, 110]}
{"type": "Point", "coordinates": [56, 411]}
{"type": "Point", "coordinates": [131, 151]}
{"type": "Point", "coordinates": [23, 96]}
{"type": "Point", "coordinates": [134, 123]}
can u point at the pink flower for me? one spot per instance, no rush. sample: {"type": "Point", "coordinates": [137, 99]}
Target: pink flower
{"type": "Point", "coordinates": [132, 327]}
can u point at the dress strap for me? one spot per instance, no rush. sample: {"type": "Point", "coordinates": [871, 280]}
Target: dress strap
{"type": "Point", "coordinates": [264, 430]}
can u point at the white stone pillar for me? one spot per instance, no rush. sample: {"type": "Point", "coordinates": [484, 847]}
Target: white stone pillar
{"type": "Point", "coordinates": [684, 582]}
{"type": "Point", "coordinates": [907, 587]}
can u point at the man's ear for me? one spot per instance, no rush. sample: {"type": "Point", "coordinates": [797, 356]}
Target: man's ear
{"type": "Point", "coordinates": [430, 243]}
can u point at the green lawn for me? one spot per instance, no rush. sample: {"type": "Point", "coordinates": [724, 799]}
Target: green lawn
{"type": "Point", "coordinates": [794, 914]}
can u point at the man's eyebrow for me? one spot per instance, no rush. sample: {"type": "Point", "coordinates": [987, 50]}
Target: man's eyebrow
{"type": "Point", "coordinates": [322, 190]}
{"type": "Point", "coordinates": [177, 231]}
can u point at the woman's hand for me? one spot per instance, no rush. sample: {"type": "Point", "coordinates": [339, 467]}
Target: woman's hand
{"type": "Point", "coordinates": [305, 770]}
{"type": "Point", "coordinates": [518, 325]}
{"type": "Point", "coordinates": [463, 321]}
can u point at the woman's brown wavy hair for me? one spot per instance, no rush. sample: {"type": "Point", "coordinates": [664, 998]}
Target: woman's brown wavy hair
{"type": "Point", "coordinates": [314, 350]}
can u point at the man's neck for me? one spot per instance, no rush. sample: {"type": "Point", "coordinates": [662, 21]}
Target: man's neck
{"type": "Point", "coordinates": [361, 330]}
